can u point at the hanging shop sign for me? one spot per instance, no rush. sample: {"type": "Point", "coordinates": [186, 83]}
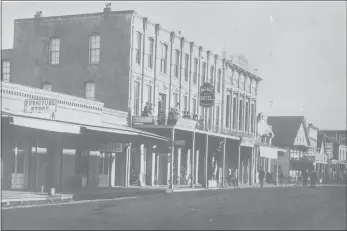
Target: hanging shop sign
{"type": "Point", "coordinates": [181, 143]}
{"type": "Point", "coordinates": [207, 95]}
{"type": "Point", "coordinates": [40, 105]}
{"type": "Point", "coordinates": [111, 147]}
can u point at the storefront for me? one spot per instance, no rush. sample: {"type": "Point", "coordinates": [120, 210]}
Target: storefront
{"type": "Point", "coordinates": [63, 142]}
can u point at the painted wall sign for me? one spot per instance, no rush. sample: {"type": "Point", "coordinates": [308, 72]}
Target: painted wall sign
{"type": "Point", "coordinates": [111, 147]}
{"type": "Point", "coordinates": [207, 95]}
{"type": "Point", "coordinates": [40, 105]}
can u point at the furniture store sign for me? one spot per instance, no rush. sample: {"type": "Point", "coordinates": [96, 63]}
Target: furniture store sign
{"type": "Point", "coordinates": [40, 105]}
{"type": "Point", "coordinates": [207, 95]}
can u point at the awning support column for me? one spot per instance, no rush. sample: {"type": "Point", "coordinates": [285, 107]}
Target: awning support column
{"type": "Point", "coordinates": [172, 158]}
{"type": "Point", "coordinates": [223, 167]}
{"type": "Point", "coordinates": [239, 163]}
{"type": "Point", "coordinates": [192, 169]}
{"type": "Point", "coordinates": [206, 161]}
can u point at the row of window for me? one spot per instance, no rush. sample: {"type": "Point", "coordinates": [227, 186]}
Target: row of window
{"type": "Point", "coordinates": [89, 89]}
{"type": "Point", "coordinates": [176, 65]}
{"type": "Point", "coordinates": [240, 118]}
{"type": "Point", "coordinates": [94, 49]}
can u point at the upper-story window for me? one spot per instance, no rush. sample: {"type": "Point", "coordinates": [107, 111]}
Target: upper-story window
{"type": "Point", "coordinates": [195, 71]}
{"type": "Point", "coordinates": [218, 82]}
{"type": "Point", "coordinates": [177, 61]}
{"type": "Point", "coordinates": [47, 86]}
{"type": "Point", "coordinates": [254, 87]}
{"type": "Point", "coordinates": [6, 69]}
{"type": "Point", "coordinates": [194, 104]}
{"type": "Point", "coordinates": [163, 59]}
{"type": "Point", "coordinates": [94, 48]}
{"type": "Point", "coordinates": [186, 67]}
{"type": "Point", "coordinates": [138, 46]}
{"type": "Point", "coordinates": [242, 81]}
{"type": "Point", "coordinates": [203, 73]}
{"type": "Point", "coordinates": [151, 52]}
{"type": "Point", "coordinates": [54, 50]}
{"type": "Point", "coordinates": [90, 90]}
{"type": "Point", "coordinates": [136, 105]}
{"type": "Point", "coordinates": [211, 74]}
{"type": "Point", "coordinates": [175, 99]}
{"type": "Point", "coordinates": [185, 103]}
{"type": "Point", "coordinates": [235, 78]}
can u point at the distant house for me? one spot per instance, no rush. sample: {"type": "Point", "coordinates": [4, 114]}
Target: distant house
{"type": "Point", "coordinates": [290, 133]}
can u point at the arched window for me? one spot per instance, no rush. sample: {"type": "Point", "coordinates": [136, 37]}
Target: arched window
{"type": "Point", "coordinates": [163, 59]}
{"type": "Point", "coordinates": [138, 46]}
{"type": "Point", "coordinates": [211, 74]}
{"type": "Point", "coordinates": [176, 64]}
{"type": "Point", "coordinates": [150, 52]}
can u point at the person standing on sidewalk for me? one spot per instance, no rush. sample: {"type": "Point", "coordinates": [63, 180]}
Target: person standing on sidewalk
{"type": "Point", "coordinates": [261, 177]}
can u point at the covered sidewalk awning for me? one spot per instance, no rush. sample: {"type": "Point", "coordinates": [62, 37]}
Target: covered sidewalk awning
{"type": "Point", "coordinates": [42, 124]}
{"type": "Point", "coordinates": [73, 128]}
{"type": "Point", "coordinates": [269, 151]}
{"type": "Point", "coordinates": [120, 129]}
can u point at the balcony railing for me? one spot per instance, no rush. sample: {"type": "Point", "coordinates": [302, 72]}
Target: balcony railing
{"type": "Point", "coordinates": [189, 123]}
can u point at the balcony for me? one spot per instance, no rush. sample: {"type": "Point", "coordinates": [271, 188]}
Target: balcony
{"type": "Point", "coordinates": [233, 132]}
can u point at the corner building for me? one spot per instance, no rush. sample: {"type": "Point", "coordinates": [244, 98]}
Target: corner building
{"type": "Point", "coordinates": [127, 60]}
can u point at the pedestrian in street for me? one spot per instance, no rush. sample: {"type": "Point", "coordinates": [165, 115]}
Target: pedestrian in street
{"type": "Point", "coordinates": [313, 178]}
{"type": "Point", "coordinates": [304, 178]}
{"type": "Point", "coordinates": [280, 177]}
{"type": "Point", "coordinates": [261, 177]}
{"type": "Point", "coordinates": [230, 177]}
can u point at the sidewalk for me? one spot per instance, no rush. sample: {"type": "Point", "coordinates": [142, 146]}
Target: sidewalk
{"type": "Point", "coordinates": [12, 198]}
{"type": "Point", "coordinates": [18, 198]}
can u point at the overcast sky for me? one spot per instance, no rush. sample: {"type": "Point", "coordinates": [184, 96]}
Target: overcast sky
{"type": "Point", "coordinates": [300, 53]}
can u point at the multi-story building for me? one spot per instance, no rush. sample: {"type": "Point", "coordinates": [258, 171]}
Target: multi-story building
{"type": "Point", "coordinates": [313, 136]}
{"type": "Point", "coordinates": [335, 145]}
{"type": "Point", "coordinates": [126, 61]}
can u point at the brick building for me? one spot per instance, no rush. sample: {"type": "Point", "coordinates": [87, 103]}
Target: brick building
{"type": "Point", "coordinates": [126, 61]}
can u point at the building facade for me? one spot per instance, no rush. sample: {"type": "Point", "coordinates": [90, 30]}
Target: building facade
{"type": "Point", "coordinates": [53, 140]}
{"type": "Point", "coordinates": [290, 133]}
{"type": "Point", "coordinates": [128, 62]}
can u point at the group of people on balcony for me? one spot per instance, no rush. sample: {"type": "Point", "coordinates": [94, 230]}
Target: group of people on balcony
{"type": "Point", "coordinates": [173, 116]}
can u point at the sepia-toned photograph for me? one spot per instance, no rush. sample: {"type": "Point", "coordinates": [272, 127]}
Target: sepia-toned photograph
{"type": "Point", "coordinates": [173, 115]}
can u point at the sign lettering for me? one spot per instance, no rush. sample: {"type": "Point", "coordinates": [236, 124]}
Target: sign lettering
{"type": "Point", "coordinates": [40, 105]}
{"type": "Point", "coordinates": [207, 95]}
{"type": "Point", "coordinates": [111, 147]}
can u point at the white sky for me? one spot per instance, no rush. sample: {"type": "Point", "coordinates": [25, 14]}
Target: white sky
{"type": "Point", "coordinates": [306, 72]}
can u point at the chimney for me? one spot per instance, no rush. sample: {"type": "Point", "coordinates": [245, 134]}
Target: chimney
{"type": "Point", "coordinates": [107, 7]}
{"type": "Point", "coordinates": [38, 14]}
